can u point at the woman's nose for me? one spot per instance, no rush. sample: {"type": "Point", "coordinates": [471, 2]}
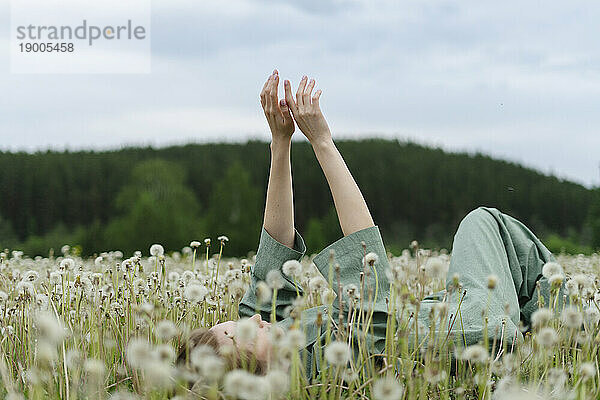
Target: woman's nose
{"type": "Point", "coordinates": [257, 318]}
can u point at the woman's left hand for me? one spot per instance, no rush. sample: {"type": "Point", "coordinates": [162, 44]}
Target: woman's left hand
{"type": "Point", "coordinates": [277, 113]}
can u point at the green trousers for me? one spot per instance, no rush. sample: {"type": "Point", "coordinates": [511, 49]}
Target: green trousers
{"type": "Point", "coordinates": [486, 243]}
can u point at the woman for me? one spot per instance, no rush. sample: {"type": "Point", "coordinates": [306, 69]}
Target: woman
{"type": "Point", "coordinates": [487, 244]}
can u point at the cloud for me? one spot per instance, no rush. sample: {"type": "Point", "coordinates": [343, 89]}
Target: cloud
{"type": "Point", "coordinates": [516, 80]}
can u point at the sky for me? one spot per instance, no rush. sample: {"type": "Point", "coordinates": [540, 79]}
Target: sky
{"type": "Point", "coordinates": [518, 80]}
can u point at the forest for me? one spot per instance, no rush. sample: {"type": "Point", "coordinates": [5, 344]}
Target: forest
{"type": "Point", "coordinates": [127, 199]}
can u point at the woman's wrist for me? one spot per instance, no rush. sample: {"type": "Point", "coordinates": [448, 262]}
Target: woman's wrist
{"type": "Point", "coordinates": [323, 144]}
{"type": "Point", "coordinates": [278, 143]}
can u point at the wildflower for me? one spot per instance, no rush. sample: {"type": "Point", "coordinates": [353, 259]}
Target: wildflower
{"type": "Point", "coordinates": [557, 377]}
{"type": "Point", "coordinates": [223, 239]}
{"type": "Point", "coordinates": [274, 279]}
{"type": "Point", "coordinates": [25, 289]}
{"type": "Point", "coordinates": [199, 353]}
{"type": "Point", "coordinates": [207, 242]}
{"type": "Point", "coordinates": [295, 338]}
{"type": "Point", "coordinates": [556, 280]}
{"type": "Point", "coordinates": [572, 318]}
{"type": "Point", "coordinates": [49, 327]}
{"type": "Point", "coordinates": [436, 268]}
{"type": "Point", "coordinates": [263, 292]}
{"type": "Point", "coordinates": [195, 293]}
{"type": "Point", "coordinates": [173, 276]}
{"type": "Point", "coordinates": [165, 353]}
{"type": "Point", "coordinates": [592, 316]}
{"type": "Point", "coordinates": [94, 368]}
{"type": "Point", "coordinates": [278, 383]}
{"type": "Point", "coordinates": [387, 389]}
{"type": "Point", "coordinates": [317, 284]}
{"type": "Point", "coordinates": [475, 353]}
{"type": "Point", "coordinates": [65, 249]}
{"type": "Point", "coordinates": [195, 244]}
{"type": "Point", "coordinates": [157, 250]}
{"type": "Point", "coordinates": [492, 281]}
{"type": "Point", "coordinates": [540, 317]}
{"type": "Point", "coordinates": [210, 367]}
{"type": "Point", "coordinates": [30, 276]}
{"type": "Point", "coordinates": [292, 268]}
{"type": "Point", "coordinates": [138, 352]}
{"type": "Point", "coordinates": [46, 352]}
{"type": "Point", "coordinates": [337, 353]}
{"type": "Point", "coordinates": [551, 268]}
{"type": "Point", "coordinates": [587, 370]}
{"type": "Point", "coordinates": [158, 374]}
{"type": "Point", "coordinates": [571, 288]}
{"type": "Point", "coordinates": [66, 264]}
{"type": "Point", "coordinates": [246, 330]}
{"type": "Point", "coordinates": [546, 337]}
{"type": "Point", "coordinates": [98, 261]}
{"type": "Point", "coordinates": [243, 385]}
{"type": "Point", "coordinates": [166, 330]}
{"type": "Point", "coordinates": [370, 259]}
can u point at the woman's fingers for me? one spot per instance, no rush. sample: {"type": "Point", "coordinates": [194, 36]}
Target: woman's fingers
{"type": "Point", "coordinates": [263, 92]}
{"type": "Point", "coordinates": [300, 92]}
{"type": "Point", "coordinates": [308, 91]}
{"type": "Point", "coordinates": [268, 99]}
{"type": "Point", "coordinates": [289, 98]}
{"type": "Point", "coordinates": [316, 97]}
{"type": "Point", "coordinates": [285, 111]}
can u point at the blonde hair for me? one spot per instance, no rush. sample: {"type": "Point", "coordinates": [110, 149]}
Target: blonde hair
{"type": "Point", "coordinates": [233, 359]}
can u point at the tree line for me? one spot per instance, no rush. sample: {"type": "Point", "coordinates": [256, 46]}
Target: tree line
{"type": "Point", "coordinates": [130, 198]}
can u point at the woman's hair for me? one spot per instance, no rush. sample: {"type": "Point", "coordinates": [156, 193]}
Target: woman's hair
{"type": "Point", "coordinates": [233, 359]}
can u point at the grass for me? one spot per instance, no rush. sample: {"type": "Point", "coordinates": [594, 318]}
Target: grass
{"type": "Point", "coordinates": [110, 328]}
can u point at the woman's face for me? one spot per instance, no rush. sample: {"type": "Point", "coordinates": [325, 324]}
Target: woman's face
{"type": "Point", "coordinates": [260, 347]}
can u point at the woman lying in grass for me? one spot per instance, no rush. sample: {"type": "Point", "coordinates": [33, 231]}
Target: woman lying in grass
{"type": "Point", "coordinates": [495, 268]}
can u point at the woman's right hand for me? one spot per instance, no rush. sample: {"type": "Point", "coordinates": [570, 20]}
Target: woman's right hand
{"type": "Point", "coordinates": [307, 112]}
{"type": "Point", "coordinates": [277, 113]}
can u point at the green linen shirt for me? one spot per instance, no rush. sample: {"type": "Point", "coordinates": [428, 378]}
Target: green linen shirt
{"type": "Point", "coordinates": [486, 243]}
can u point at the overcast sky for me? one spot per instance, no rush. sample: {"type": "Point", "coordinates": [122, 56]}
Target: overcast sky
{"type": "Point", "coordinates": [519, 80]}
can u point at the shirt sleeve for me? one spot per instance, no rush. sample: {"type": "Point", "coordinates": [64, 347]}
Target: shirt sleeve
{"type": "Point", "coordinates": [271, 255]}
{"type": "Point", "coordinates": [348, 252]}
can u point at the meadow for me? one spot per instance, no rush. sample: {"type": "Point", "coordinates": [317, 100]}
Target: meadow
{"type": "Point", "coordinates": [111, 327]}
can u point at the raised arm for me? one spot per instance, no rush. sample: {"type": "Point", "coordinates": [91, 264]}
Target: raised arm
{"type": "Point", "coordinates": [279, 207]}
{"type": "Point", "coordinates": [350, 205]}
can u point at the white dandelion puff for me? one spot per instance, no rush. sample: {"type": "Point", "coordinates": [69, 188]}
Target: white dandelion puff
{"type": "Point", "coordinates": [275, 279]}
{"type": "Point", "coordinates": [387, 389]}
{"type": "Point", "coordinates": [571, 317]}
{"type": "Point", "coordinates": [292, 268]}
{"type": "Point", "coordinates": [337, 353]}
{"type": "Point", "coordinates": [546, 337]}
{"type": "Point", "coordinates": [195, 293]}
{"type": "Point", "coordinates": [157, 250]}
{"type": "Point", "coordinates": [551, 268]}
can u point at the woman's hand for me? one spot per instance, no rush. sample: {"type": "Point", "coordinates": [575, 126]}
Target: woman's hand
{"type": "Point", "coordinates": [306, 111]}
{"type": "Point", "coordinates": [278, 115]}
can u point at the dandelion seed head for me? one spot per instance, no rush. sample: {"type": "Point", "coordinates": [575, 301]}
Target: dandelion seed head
{"type": "Point", "coordinates": [166, 330]}
{"type": "Point", "coordinates": [292, 268]}
{"type": "Point", "coordinates": [370, 259]}
{"type": "Point", "coordinates": [337, 353]}
{"type": "Point", "coordinates": [246, 330]}
{"type": "Point", "coordinates": [275, 279]}
{"type": "Point", "coordinates": [387, 389]}
{"type": "Point", "coordinates": [541, 317]}
{"type": "Point", "coordinates": [278, 382]}
{"type": "Point", "coordinates": [263, 292]}
{"type": "Point", "coordinates": [195, 293]}
{"type": "Point", "coordinates": [587, 370]}
{"type": "Point", "coordinates": [138, 352]}
{"type": "Point", "coordinates": [195, 244]}
{"type": "Point", "coordinates": [436, 268]}
{"type": "Point", "coordinates": [551, 268]}
{"type": "Point", "coordinates": [243, 385]}
{"type": "Point", "coordinates": [475, 353]}
{"type": "Point", "coordinates": [571, 317]}
{"type": "Point", "coordinates": [94, 367]}
{"type": "Point", "coordinates": [157, 250]}
{"type": "Point", "coordinates": [546, 337]}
